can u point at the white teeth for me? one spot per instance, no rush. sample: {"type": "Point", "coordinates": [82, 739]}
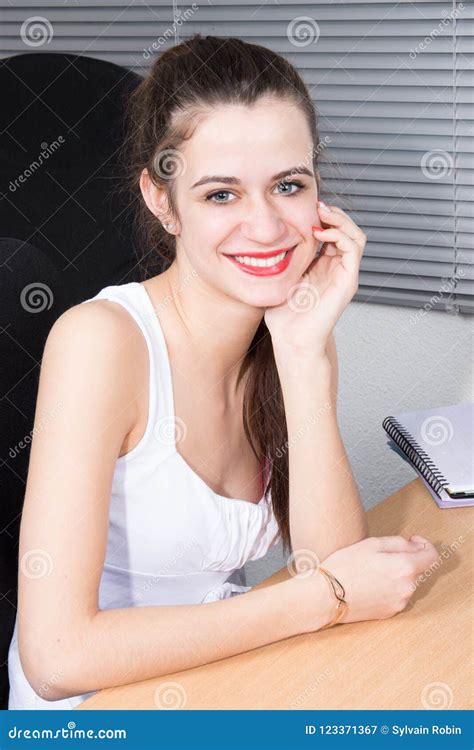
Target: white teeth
{"type": "Point", "coordinates": [260, 262]}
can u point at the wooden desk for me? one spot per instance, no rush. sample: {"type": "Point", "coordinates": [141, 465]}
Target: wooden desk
{"type": "Point", "coordinates": [420, 658]}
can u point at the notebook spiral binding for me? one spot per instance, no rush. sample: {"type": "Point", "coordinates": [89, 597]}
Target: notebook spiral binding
{"type": "Point", "coordinates": [415, 453]}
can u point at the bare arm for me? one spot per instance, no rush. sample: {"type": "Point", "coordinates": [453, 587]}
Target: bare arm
{"type": "Point", "coordinates": [88, 381]}
{"type": "Point", "coordinates": [325, 509]}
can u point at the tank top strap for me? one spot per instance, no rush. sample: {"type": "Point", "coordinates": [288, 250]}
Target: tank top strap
{"type": "Point", "coordinates": [135, 299]}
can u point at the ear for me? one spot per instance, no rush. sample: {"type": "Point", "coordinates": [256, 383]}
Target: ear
{"type": "Point", "coordinates": [155, 198]}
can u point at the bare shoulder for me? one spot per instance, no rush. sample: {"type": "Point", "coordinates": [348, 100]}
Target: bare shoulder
{"type": "Point", "coordinates": [94, 317]}
{"type": "Point", "coordinates": [99, 326]}
{"type": "Point", "coordinates": [99, 340]}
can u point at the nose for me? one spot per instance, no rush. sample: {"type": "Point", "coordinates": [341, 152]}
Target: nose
{"type": "Point", "coordinates": [263, 224]}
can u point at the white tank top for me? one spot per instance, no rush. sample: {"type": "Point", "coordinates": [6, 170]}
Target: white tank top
{"type": "Point", "coordinates": [171, 539]}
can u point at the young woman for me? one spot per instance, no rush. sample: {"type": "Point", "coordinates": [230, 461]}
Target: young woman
{"type": "Point", "coordinates": [195, 413]}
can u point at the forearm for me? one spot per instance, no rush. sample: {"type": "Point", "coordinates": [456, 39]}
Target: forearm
{"type": "Point", "coordinates": [139, 643]}
{"type": "Point", "coordinates": [326, 512]}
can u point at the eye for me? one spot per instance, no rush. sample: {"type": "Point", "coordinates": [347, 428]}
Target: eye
{"type": "Point", "coordinates": [298, 184]}
{"type": "Point", "coordinates": [219, 192]}
{"type": "Point", "coordinates": [286, 183]}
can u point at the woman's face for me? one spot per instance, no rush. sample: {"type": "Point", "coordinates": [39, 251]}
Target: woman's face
{"type": "Point", "coordinates": [251, 211]}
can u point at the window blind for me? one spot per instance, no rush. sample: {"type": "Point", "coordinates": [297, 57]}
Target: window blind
{"type": "Point", "coordinates": [392, 85]}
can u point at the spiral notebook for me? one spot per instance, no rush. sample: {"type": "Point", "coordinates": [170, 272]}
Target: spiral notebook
{"type": "Point", "coordinates": [439, 444]}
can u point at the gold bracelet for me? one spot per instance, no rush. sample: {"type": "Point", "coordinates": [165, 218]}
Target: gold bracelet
{"type": "Point", "coordinates": [338, 591]}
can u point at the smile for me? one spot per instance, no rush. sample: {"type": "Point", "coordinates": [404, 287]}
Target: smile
{"type": "Point", "coordinates": [263, 266]}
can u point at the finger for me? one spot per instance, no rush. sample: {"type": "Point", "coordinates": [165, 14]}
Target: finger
{"type": "Point", "coordinates": [425, 557]}
{"type": "Point", "coordinates": [343, 242]}
{"type": "Point", "coordinates": [395, 544]}
{"type": "Point", "coordinates": [338, 218]}
{"type": "Point", "coordinates": [419, 538]}
{"type": "Point", "coordinates": [346, 248]}
{"type": "Point", "coordinates": [328, 249]}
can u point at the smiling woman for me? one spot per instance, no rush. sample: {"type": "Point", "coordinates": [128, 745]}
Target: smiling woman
{"type": "Point", "coordinates": [254, 141]}
{"type": "Point", "coordinates": [198, 422]}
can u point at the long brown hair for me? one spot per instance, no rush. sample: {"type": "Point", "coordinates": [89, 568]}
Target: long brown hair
{"type": "Point", "coordinates": [183, 84]}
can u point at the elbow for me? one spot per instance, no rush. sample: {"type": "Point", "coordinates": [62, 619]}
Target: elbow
{"type": "Point", "coordinates": [52, 672]}
{"type": "Point", "coordinates": [50, 682]}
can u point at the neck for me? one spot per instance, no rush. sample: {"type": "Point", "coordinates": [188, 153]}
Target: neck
{"type": "Point", "coordinates": [215, 330]}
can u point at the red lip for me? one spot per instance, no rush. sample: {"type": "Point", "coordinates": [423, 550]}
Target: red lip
{"type": "Point", "coordinates": [271, 270]}
{"type": "Point", "coordinates": [263, 255]}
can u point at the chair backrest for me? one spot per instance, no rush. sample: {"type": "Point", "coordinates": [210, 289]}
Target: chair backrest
{"type": "Point", "coordinates": [66, 234]}
{"type": "Point", "coordinates": [62, 125]}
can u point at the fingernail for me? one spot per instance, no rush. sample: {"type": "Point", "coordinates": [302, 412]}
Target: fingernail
{"type": "Point", "coordinates": [418, 540]}
{"type": "Point", "coordinates": [323, 205]}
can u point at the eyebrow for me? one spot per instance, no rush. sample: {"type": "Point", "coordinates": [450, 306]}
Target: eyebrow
{"type": "Point", "coordinates": [235, 180]}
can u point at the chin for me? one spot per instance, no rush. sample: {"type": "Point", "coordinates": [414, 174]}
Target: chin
{"type": "Point", "coordinates": [264, 298]}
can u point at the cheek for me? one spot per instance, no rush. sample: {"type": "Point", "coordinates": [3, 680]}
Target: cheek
{"type": "Point", "coordinates": [209, 226]}
{"type": "Point", "coordinates": [305, 216]}
{"type": "Point", "coordinates": [299, 215]}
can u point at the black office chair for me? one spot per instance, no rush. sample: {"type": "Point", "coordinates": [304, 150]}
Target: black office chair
{"type": "Point", "coordinates": [66, 233]}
